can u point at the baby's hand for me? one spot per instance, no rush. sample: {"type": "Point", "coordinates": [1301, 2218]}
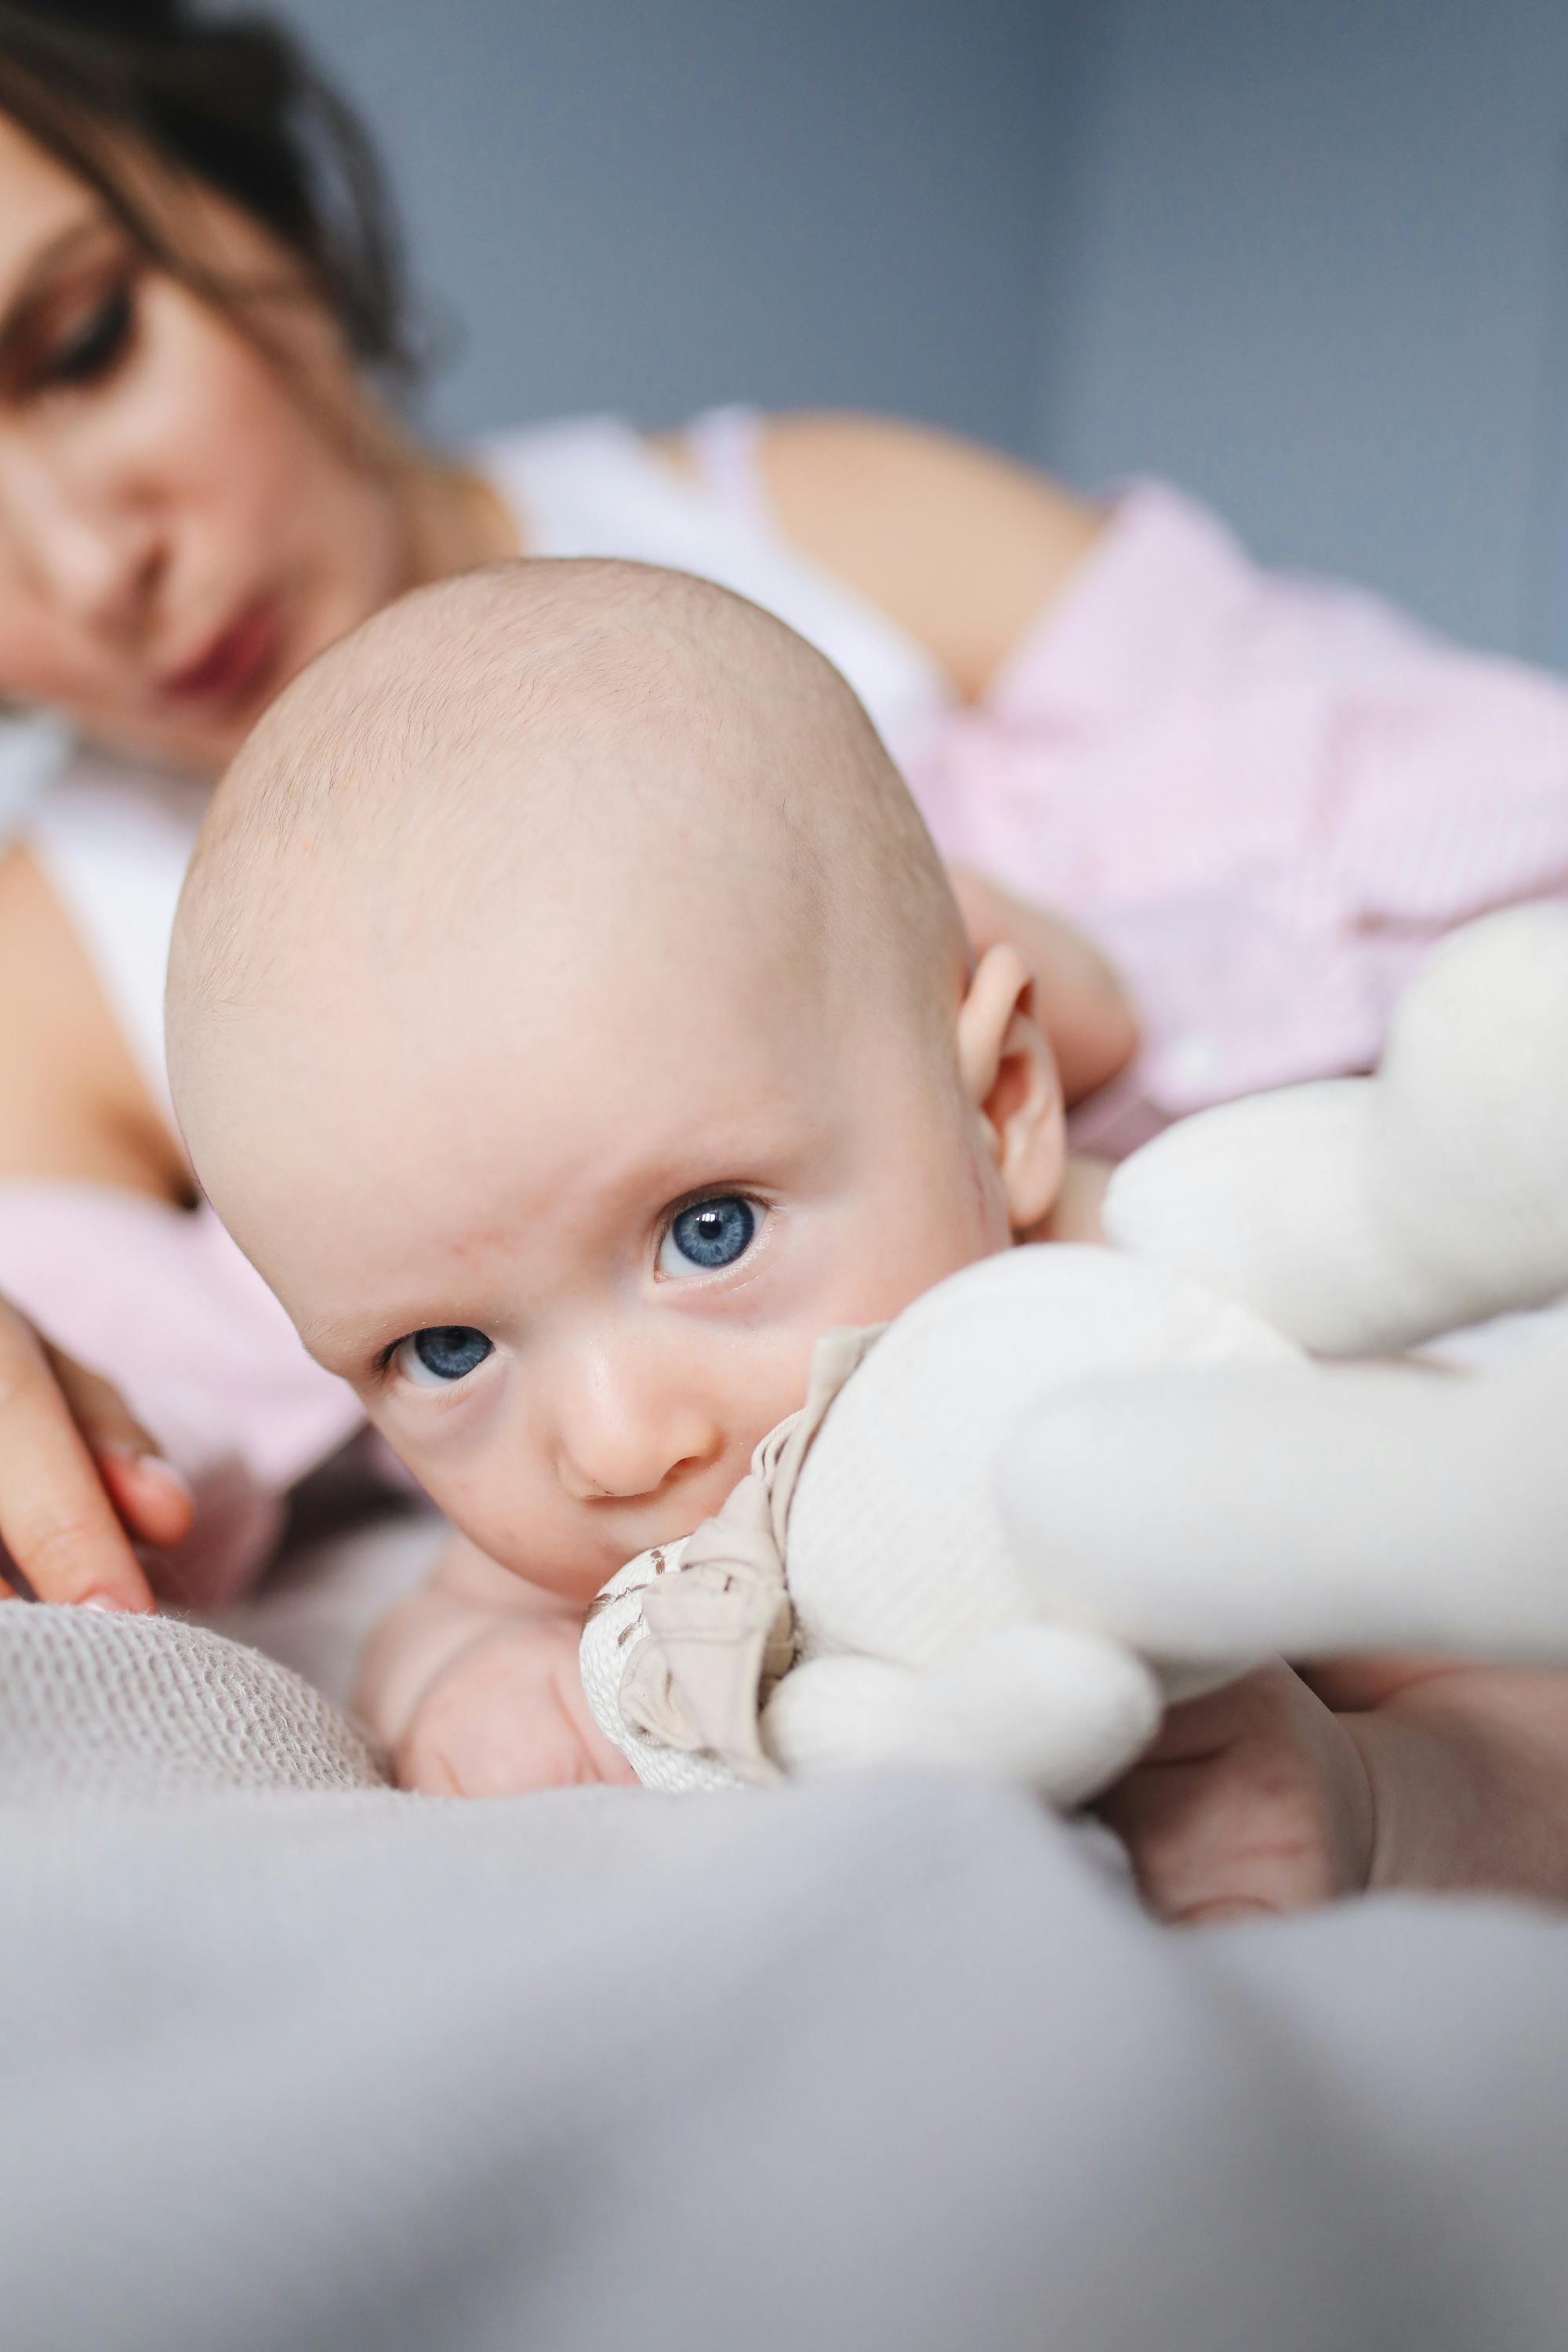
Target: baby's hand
{"type": "Point", "coordinates": [473, 1683]}
{"type": "Point", "coordinates": [1272, 1795]}
{"type": "Point", "coordinates": [1253, 1799]}
{"type": "Point", "coordinates": [505, 1715]}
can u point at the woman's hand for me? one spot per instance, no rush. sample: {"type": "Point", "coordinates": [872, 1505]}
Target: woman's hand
{"type": "Point", "coordinates": [80, 1479]}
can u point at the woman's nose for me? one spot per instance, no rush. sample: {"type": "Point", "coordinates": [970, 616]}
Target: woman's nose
{"type": "Point", "coordinates": [627, 1429]}
{"type": "Point", "coordinates": [95, 562]}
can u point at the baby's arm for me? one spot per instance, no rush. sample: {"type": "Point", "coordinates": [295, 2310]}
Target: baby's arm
{"type": "Point", "coordinates": [473, 1686]}
{"type": "Point", "coordinates": [1079, 1001]}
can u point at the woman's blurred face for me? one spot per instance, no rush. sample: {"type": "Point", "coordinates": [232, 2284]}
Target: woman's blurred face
{"type": "Point", "coordinates": [183, 522]}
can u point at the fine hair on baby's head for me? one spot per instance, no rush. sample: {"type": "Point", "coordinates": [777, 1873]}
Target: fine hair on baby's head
{"type": "Point", "coordinates": [632, 728]}
{"type": "Point", "coordinates": [569, 1015]}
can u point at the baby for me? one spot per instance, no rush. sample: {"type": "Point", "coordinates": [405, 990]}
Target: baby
{"type": "Point", "coordinates": [570, 1018]}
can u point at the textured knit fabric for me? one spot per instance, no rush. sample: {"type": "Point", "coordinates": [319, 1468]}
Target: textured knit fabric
{"type": "Point", "coordinates": [880, 2062]}
{"type": "Point", "coordinates": [113, 1707]}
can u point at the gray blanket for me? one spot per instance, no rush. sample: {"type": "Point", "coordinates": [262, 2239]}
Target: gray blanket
{"type": "Point", "coordinates": [293, 2061]}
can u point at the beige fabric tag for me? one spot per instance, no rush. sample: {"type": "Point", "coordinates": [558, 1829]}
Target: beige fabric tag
{"type": "Point", "coordinates": [718, 1632]}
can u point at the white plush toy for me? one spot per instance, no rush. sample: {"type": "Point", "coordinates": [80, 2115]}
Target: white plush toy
{"type": "Point", "coordinates": [1069, 1485]}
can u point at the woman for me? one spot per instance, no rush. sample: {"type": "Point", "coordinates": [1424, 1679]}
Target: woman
{"type": "Point", "coordinates": [201, 486]}
{"type": "Point", "coordinates": [198, 491]}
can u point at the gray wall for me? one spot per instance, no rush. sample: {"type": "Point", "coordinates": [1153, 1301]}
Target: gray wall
{"type": "Point", "coordinates": [1306, 256]}
{"type": "Point", "coordinates": [650, 204]}
{"type": "Point", "coordinates": [1314, 266]}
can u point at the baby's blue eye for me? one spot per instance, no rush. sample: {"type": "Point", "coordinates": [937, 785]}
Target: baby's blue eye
{"type": "Point", "coordinates": [444, 1353]}
{"type": "Point", "coordinates": [708, 1234]}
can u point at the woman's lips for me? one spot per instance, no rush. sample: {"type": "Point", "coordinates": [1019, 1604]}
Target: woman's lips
{"type": "Point", "coordinates": [233, 667]}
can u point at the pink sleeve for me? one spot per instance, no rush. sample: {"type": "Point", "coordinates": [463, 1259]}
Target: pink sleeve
{"type": "Point", "coordinates": [1405, 804]}
{"type": "Point", "coordinates": [161, 1301]}
{"type": "Point", "coordinates": [1267, 799]}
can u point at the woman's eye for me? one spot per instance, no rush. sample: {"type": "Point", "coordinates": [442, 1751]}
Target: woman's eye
{"type": "Point", "coordinates": [707, 1234]}
{"type": "Point", "coordinates": [94, 347]}
{"type": "Point", "coordinates": [441, 1354]}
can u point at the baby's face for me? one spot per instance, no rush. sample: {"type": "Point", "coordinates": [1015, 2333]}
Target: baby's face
{"type": "Point", "coordinates": [570, 1213]}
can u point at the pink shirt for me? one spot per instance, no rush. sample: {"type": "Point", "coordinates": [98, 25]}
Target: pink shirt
{"type": "Point", "coordinates": [1267, 797]}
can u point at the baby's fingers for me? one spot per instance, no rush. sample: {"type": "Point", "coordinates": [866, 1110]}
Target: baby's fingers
{"type": "Point", "coordinates": [56, 1522]}
{"type": "Point", "coordinates": [1252, 1800]}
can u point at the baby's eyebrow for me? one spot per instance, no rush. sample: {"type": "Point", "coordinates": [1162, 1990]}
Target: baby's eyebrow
{"type": "Point", "coordinates": [350, 1344]}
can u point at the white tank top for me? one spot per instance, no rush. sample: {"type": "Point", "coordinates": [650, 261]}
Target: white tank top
{"type": "Point", "coordinates": [114, 838]}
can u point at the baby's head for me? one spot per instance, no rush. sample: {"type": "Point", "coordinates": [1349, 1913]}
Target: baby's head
{"type": "Point", "coordinates": [569, 1016]}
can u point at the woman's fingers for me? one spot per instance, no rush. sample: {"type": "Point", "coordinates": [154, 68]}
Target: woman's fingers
{"type": "Point", "coordinates": [147, 1492]}
{"type": "Point", "coordinates": [56, 1522]}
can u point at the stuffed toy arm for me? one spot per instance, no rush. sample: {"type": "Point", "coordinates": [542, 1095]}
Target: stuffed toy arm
{"type": "Point", "coordinates": [1387, 1507]}
{"type": "Point", "coordinates": [1398, 1506]}
{"type": "Point", "coordinates": [1364, 1216]}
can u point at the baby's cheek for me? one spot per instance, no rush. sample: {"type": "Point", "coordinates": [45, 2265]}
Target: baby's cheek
{"type": "Point", "coordinates": [485, 1505]}
{"type": "Point", "coordinates": [470, 1488]}
{"type": "Point", "coordinates": [492, 1503]}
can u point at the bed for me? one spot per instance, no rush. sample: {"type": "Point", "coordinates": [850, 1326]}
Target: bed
{"type": "Point", "coordinates": [292, 2060]}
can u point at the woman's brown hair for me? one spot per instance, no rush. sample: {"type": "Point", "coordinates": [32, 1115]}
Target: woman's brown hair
{"type": "Point", "coordinates": [101, 85]}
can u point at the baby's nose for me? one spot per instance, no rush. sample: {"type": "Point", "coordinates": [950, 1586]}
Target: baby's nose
{"type": "Point", "coordinates": [625, 1437]}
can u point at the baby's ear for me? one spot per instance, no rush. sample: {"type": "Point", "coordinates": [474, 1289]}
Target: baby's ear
{"type": "Point", "coordinates": [1009, 1074]}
